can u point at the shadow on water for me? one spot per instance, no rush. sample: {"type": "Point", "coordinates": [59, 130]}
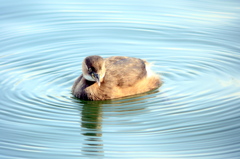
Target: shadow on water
{"type": "Point", "coordinates": [91, 114]}
{"type": "Point", "coordinates": [91, 125]}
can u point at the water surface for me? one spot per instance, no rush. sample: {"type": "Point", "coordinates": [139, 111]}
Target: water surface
{"type": "Point", "coordinates": [194, 46]}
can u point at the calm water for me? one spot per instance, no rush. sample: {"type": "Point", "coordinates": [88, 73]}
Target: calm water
{"type": "Point", "coordinates": [194, 46]}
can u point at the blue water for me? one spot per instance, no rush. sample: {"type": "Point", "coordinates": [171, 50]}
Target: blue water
{"type": "Point", "coordinates": [194, 46]}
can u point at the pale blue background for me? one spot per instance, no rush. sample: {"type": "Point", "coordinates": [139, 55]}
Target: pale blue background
{"type": "Point", "coordinates": [193, 45]}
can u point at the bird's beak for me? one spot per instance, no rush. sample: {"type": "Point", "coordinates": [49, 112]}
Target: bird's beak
{"type": "Point", "coordinates": [97, 78]}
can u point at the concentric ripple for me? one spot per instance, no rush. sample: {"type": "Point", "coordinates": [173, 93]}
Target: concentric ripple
{"type": "Point", "coordinates": [193, 46]}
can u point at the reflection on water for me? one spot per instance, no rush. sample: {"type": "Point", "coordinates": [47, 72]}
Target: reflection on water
{"type": "Point", "coordinates": [193, 45]}
{"type": "Point", "coordinates": [91, 125]}
{"type": "Point", "coordinates": [91, 118]}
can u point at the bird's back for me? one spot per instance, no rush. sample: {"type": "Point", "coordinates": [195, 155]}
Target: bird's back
{"type": "Point", "coordinates": [124, 71]}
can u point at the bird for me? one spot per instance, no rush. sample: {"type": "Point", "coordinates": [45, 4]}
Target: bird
{"type": "Point", "coordinates": [114, 77]}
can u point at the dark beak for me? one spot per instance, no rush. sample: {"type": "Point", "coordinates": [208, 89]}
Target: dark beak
{"type": "Point", "coordinates": [97, 78]}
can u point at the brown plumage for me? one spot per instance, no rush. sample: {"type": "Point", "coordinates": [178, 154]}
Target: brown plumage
{"type": "Point", "coordinates": [114, 77]}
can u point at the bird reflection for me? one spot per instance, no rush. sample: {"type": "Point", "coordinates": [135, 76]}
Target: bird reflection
{"type": "Point", "coordinates": [91, 124]}
{"type": "Point", "coordinates": [92, 115]}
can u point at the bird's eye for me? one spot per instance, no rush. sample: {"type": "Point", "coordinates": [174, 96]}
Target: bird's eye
{"type": "Point", "coordinates": [89, 69]}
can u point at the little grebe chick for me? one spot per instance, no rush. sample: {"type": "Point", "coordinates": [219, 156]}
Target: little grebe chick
{"type": "Point", "coordinates": [114, 77]}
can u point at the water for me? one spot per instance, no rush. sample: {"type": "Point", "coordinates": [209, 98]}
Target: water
{"type": "Point", "coordinates": [194, 46]}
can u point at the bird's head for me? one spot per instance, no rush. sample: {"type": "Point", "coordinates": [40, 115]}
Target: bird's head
{"type": "Point", "coordinates": [93, 68]}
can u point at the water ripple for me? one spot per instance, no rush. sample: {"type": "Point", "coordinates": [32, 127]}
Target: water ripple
{"type": "Point", "coordinates": [193, 47]}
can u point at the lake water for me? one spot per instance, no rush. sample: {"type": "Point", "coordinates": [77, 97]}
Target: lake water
{"type": "Point", "coordinates": [194, 46]}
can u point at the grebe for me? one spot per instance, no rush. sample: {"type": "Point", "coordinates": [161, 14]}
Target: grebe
{"type": "Point", "coordinates": [114, 77]}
